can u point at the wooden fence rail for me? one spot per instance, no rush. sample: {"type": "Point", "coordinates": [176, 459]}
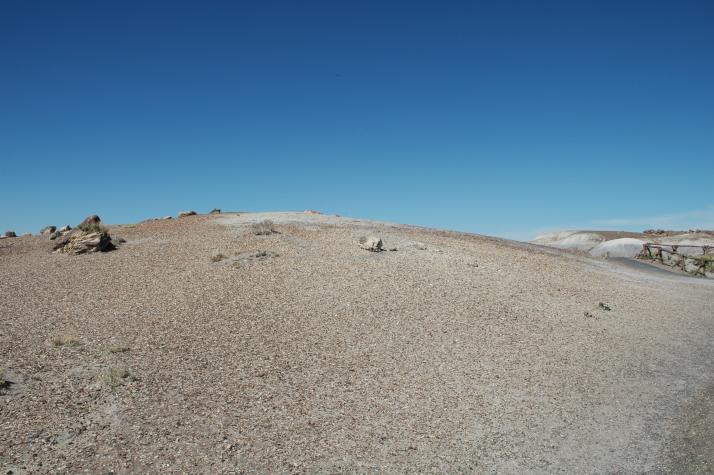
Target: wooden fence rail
{"type": "Point", "coordinates": [669, 255]}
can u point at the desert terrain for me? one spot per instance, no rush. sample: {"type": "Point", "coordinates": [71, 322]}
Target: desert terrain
{"type": "Point", "coordinates": [627, 244]}
{"type": "Point", "coordinates": [199, 346]}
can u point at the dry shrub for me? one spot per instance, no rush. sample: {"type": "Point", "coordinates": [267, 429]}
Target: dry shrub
{"type": "Point", "coordinates": [64, 340]}
{"type": "Point", "coordinates": [92, 228]}
{"type": "Point", "coordinates": [116, 376]}
{"type": "Point", "coordinates": [263, 228]}
{"type": "Point", "coordinates": [218, 257]}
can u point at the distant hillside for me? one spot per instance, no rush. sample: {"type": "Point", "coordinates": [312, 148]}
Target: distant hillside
{"type": "Point", "coordinates": [623, 243]}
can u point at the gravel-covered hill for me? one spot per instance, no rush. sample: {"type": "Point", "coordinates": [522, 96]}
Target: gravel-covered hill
{"type": "Point", "coordinates": [199, 346]}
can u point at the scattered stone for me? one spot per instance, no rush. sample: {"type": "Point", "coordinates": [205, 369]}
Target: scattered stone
{"type": "Point", "coordinates": [392, 249]}
{"type": "Point", "coordinates": [604, 306]}
{"type": "Point", "coordinates": [312, 211]}
{"type": "Point", "coordinates": [215, 211]}
{"type": "Point", "coordinates": [168, 217]}
{"type": "Point", "coordinates": [588, 315]}
{"type": "Point", "coordinates": [263, 254]}
{"type": "Point", "coordinates": [80, 242]}
{"type": "Point", "coordinates": [119, 349]}
{"type": "Point", "coordinates": [65, 228]}
{"type": "Point", "coordinates": [55, 235]}
{"type": "Point", "coordinates": [48, 230]}
{"type": "Point", "coordinates": [10, 234]}
{"type": "Point", "coordinates": [371, 243]}
{"type": "Point", "coordinates": [246, 259]}
{"type": "Point", "coordinates": [184, 214]}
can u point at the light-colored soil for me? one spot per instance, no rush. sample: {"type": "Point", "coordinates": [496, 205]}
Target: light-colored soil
{"type": "Point", "coordinates": [596, 242]}
{"type": "Point", "coordinates": [454, 353]}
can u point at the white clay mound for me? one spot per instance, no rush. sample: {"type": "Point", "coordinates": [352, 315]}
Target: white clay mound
{"type": "Point", "coordinates": [623, 247]}
{"type": "Point", "coordinates": [570, 240]}
{"type": "Point", "coordinates": [548, 238]}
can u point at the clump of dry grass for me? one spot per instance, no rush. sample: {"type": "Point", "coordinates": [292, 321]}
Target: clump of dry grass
{"type": "Point", "coordinates": [706, 260]}
{"type": "Point", "coordinates": [218, 257]}
{"type": "Point", "coordinates": [64, 340]}
{"type": "Point", "coordinates": [263, 228]}
{"type": "Point", "coordinates": [116, 376]}
{"type": "Point", "coordinates": [92, 228]}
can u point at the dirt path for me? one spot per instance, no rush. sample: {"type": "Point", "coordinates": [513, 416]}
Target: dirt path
{"type": "Point", "coordinates": [659, 271]}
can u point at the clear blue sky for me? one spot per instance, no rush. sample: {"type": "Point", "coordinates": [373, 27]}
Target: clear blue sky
{"type": "Point", "coordinates": [504, 118]}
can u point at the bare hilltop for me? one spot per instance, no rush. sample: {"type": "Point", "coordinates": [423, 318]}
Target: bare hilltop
{"type": "Point", "coordinates": [301, 342]}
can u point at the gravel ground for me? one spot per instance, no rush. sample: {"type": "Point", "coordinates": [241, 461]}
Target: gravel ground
{"type": "Point", "coordinates": [456, 353]}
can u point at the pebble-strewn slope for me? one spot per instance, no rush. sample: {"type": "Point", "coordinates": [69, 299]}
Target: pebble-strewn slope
{"type": "Point", "coordinates": [454, 353]}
